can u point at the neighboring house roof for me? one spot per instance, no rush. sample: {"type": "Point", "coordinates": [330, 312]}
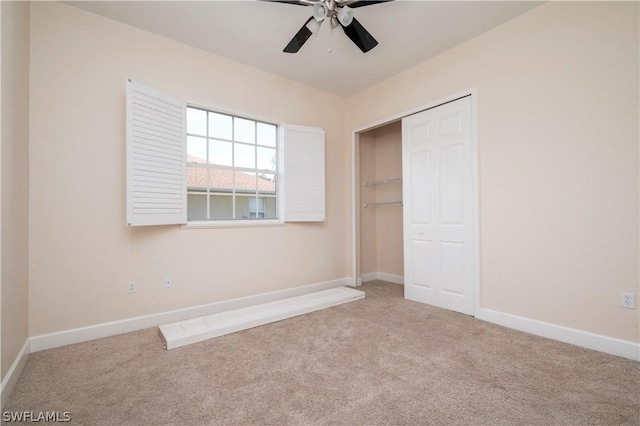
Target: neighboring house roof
{"type": "Point", "coordinates": [223, 178]}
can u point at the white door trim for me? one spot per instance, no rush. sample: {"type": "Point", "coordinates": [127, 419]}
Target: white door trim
{"type": "Point", "coordinates": [476, 205]}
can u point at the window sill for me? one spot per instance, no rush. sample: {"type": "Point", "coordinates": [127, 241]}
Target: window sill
{"type": "Point", "coordinates": [206, 224]}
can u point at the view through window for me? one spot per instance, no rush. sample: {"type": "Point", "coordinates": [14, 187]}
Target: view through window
{"type": "Point", "coordinates": [231, 167]}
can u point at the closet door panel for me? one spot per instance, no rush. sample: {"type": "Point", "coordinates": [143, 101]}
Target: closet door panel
{"type": "Point", "coordinates": [438, 187]}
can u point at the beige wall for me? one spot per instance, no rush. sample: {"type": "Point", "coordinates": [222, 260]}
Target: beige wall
{"type": "Point", "coordinates": [14, 167]}
{"type": "Point", "coordinates": [389, 249]}
{"type": "Point", "coordinates": [81, 252]}
{"type": "Point", "coordinates": [368, 240]}
{"type": "Point", "coordinates": [558, 158]}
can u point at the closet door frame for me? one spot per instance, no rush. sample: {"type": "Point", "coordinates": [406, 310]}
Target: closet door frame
{"type": "Point", "coordinates": [355, 190]}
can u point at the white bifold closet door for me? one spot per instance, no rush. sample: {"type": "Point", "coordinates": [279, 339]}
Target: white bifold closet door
{"type": "Point", "coordinates": [437, 164]}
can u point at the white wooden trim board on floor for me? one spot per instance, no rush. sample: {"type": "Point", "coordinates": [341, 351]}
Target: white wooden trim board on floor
{"type": "Point", "coordinates": [199, 329]}
{"type": "Point", "coordinates": [83, 334]}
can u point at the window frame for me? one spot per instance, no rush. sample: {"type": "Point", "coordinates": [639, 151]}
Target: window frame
{"type": "Point", "coordinates": [156, 164]}
{"type": "Point", "coordinates": [242, 222]}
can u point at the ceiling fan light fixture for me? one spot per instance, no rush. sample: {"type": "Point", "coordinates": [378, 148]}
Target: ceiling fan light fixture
{"type": "Point", "coordinates": [313, 26]}
{"type": "Point", "coordinates": [320, 11]}
{"type": "Point", "coordinates": [340, 15]}
{"type": "Point", "coordinates": [345, 16]}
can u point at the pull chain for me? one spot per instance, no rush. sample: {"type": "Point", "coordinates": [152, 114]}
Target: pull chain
{"type": "Point", "coordinates": [330, 38]}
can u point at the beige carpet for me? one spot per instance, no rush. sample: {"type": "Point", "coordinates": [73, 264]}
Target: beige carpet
{"type": "Point", "coordinates": [381, 360]}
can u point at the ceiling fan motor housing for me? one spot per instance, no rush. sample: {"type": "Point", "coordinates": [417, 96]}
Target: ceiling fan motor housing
{"type": "Point", "coordinates": [339, 14]}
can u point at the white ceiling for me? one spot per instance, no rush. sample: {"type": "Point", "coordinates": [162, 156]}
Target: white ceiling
{"type": "Point", "coordinates": [255, 32]}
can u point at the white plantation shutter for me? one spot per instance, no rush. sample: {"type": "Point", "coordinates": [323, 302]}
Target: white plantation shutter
{"type": "Point", "coordinates": [156, 157]}
{"type": "Point", "coordinates": [303, 170]}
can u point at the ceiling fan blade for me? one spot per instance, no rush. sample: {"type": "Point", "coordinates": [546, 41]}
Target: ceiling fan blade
{"type": "Point", "coordinates": [295, 2]}
{"type": "Point", "coordinates": [361, 37]}
{"type": "Point", "coordinates": [360, 3]}
{"type": "Point", "coordinates": [299, 39]}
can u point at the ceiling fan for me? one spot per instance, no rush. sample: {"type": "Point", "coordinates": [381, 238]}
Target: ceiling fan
{"type": "Point", "coordinates": [339, 13]}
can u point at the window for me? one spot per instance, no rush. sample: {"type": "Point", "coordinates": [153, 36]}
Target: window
{"type": "Point", "coordinates": [191, 164]}
{"type": "Point", "coordinates": [232, 164]}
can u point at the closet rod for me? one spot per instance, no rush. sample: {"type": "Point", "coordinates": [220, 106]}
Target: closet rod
{"type": "Point", "coordinates": [385, 203]}
{"type": "Point", "coordinates": [377, 182]}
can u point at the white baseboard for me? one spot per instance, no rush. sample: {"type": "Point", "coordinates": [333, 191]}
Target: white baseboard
{"type": "Point", "coordinates": [369, 277]}
{"type": "Point", "coordinates": [396, 279]}
{"type": "Point", "coordinates": [11, 378]}
{"type": "Point", "coordinates": [77, 335]}
{"type": "Point", "coordinates": [598, 342]}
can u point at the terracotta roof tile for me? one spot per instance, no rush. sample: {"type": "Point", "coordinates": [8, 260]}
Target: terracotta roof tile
{"type": "Point", "coordinates": [223, 178]}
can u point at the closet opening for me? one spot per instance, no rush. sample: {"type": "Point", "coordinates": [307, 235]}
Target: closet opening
{"type": "Point", "coordinates": [379, 204]}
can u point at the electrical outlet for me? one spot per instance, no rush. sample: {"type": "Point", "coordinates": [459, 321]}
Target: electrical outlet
{"type": "Point", "coordinates": [322, 261]}
{"type": "Point", "coordinates": [628, 300]}
{"type": "Point", "coordinates": [131, 287]}
{"type": "Point", "coordinates": [167, 281]}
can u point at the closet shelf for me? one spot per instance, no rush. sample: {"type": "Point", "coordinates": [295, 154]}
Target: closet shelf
{"type": "Point", "coordinates": [384, 203]}
{"type": "Point", "coordinates": [378, 182]}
